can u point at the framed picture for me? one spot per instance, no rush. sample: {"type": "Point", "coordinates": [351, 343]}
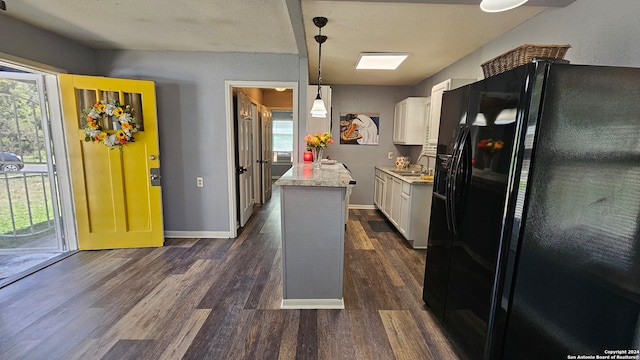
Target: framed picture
{"type": "Point", "coordinates": [359, 128]}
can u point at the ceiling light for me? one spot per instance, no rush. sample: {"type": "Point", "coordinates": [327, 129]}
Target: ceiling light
{"type": "Point", "coordinates": [380, 61]}
{"type": "Point", "coordinates": [500, 5]}
{"type": "Point", "coordinates": [318, 109]}
{"type": "Point", "coordinates": [280, 89]}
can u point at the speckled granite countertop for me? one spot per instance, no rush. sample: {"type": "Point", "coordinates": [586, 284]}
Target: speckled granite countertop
{"type": "Point", "coordinates": [329, 175]}
{"type": "Point", "coordinates": [412, 179]}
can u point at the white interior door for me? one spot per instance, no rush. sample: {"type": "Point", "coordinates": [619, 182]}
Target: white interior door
{"type": "Point", "coordinates": [245, 158]}
{"type": "Point", "coordinates": [266, 152]}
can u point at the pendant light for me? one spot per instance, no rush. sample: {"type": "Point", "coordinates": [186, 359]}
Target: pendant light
{"type": "Point", "coordinates": [500, 5]}
{"type": "Point", "coordinates": [318, 109]}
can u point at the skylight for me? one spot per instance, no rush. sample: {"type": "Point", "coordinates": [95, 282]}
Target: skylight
{"type": "Point", "coordinates": [380, 61]}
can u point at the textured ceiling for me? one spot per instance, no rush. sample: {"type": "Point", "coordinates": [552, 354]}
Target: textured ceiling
{"type": "Point", "coordinates": [436, 35]}
{"type": "Point", "coordinates": [193, 25]}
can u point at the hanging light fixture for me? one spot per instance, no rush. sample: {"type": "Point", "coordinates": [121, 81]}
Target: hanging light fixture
{"type": "Point", "coordinates": [500, 5]}
{"type": "Point", "coordinates": [318, 109]}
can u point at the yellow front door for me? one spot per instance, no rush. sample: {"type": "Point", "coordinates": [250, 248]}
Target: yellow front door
{"type": "Point", "coordinates": [117, 204]}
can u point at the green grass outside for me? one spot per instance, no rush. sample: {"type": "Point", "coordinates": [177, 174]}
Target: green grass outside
{"type": "Point", "coordinates": [37, 187]}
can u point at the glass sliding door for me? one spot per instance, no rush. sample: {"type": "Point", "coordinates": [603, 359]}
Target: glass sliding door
{"type": "Point", "coordinates": [29, 203]}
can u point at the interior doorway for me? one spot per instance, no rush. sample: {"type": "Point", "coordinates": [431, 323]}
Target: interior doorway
{"type": "Point", "coordinates": [263, 99]}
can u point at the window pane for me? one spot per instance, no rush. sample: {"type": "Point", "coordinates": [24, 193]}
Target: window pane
{"type": "Point", "coordinates": [282, 135]}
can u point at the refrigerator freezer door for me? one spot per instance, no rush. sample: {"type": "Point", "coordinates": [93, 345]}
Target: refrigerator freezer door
{"type": "Point", "coordinates": [454, 106]}
{"type": "Point", "coordinates": [481, 208]}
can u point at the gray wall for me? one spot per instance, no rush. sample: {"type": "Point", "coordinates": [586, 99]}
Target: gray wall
{"type": "Point", "coordinates": [361, 159]}
{"type": "Point", "coordinates": [192, 123]}
{"type": "Point", "coordinates": [600, 33]}
{"type": "Point", "coordinates": [191, 106]}
{"type": "Point", "coordinates": [28, 42]}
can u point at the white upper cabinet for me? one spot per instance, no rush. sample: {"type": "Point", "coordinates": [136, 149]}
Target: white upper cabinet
{"type": "Point", "coordinates": [318, 125]}
{"type": "Point", "coordinates": [410, 120]}
{"type": "Point", "coordinates": [430, 137]}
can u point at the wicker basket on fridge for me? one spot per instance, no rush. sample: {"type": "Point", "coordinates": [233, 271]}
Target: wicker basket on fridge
{"type": "Point", "coordinates": [521, 55]}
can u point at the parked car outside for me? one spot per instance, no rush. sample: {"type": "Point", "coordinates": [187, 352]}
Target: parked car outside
{"type": "Point", "coordinates": [10, 162]}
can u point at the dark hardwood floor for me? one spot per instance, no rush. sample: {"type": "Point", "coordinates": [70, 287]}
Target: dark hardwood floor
{"type": "Point", "coordinates": [220, 299]}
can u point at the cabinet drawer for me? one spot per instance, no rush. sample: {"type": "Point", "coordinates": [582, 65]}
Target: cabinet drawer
{"type": "Point", "coordinates": [406, 188]}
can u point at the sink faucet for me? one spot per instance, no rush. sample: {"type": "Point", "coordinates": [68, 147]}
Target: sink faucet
{"type": "Point", "coordinates": [428, 160]}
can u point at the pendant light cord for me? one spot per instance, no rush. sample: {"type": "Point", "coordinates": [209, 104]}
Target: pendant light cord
{"type": "Point", "coordinates": [320, 22]}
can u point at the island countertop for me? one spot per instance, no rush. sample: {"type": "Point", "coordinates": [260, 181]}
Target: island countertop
{"type": "Point", "coordinates": [326, 175]}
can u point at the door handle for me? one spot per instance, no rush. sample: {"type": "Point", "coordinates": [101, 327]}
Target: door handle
{"type": "Point", "coordinates": [449, 181]}
{"type": "Point", "coordinates": [242, 170]}
{"type": "Point", "coordinates": [455, 188]}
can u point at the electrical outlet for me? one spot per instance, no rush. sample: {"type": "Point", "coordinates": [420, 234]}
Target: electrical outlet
{"type": "Point", "coordinates": [390, 155]}
{"type": "Point", "coordinates": [199, 182]}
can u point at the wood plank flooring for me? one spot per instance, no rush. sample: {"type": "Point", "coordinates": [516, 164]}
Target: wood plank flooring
{"type": "Point", "coordinates": [220, 299]}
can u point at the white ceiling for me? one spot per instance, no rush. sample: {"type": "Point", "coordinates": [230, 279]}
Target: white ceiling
{"type": "Point", "coordinates": [436, 35]}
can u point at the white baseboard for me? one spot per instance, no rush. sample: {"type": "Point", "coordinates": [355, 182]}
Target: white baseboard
{"type": "Point", "coordinates": [362, 207]}
{"type": "Point", "coordinates": [312, 304]}
{"type": "Point", "coordinates": [197, 234]}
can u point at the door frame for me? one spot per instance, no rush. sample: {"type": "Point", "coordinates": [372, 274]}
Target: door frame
{"type": "Point", "coordinates": [231, 141]}
{"type": "Point", "coordinates": [53, 100]}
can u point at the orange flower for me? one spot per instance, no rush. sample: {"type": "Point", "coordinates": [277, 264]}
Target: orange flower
{"type": "Point", "coordinates": [319, 140]}
{"type": "Point", "coordinates": [126, 125]}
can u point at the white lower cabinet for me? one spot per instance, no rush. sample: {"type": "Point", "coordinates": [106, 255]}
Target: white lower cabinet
{"type": "Point", "coordinates": [406, 204]}
{"type": "Point", "coordinates": [378, 195]}
{"type": "Point", "coordinates": [396, 191]}
{"type": "Point", "coordinates": [405, 201]}
{"type": "Point", "coordinates": [388, 196]}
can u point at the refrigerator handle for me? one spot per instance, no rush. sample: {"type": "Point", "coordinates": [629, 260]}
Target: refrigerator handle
{"type": "Point", "coordinates": [457, 190]}
{"type": "Point", "coordinates": [447, 193]}
{"type": "Point", "coordinates": [451, 181]}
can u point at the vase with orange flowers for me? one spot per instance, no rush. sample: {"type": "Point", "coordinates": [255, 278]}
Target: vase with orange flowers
{"type": "Point", "coordinates": [317, 143]}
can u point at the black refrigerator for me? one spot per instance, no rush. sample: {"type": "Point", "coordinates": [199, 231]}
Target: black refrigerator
{"type": "Point", "coordinates": [534, 238]}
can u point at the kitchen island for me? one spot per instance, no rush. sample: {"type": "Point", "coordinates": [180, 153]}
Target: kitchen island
{"type": "Point", "coordinates": [314, 202]}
